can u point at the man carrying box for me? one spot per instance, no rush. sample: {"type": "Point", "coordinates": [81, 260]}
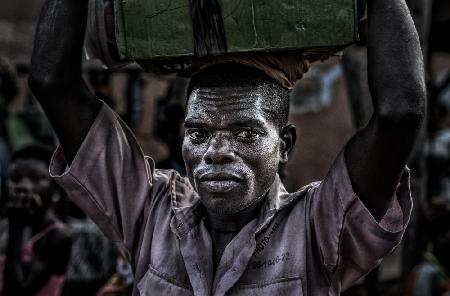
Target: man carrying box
{"type": "Point", "coordinates": [231, 228]}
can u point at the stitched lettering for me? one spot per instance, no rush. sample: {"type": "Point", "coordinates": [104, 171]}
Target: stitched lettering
{"type": "Point", "coordinates": [261, 245]}
{"type": "Point", "coordinates": [259, 264]}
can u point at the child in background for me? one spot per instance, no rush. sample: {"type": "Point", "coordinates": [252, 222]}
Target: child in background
{"type": "Point", "coordinates": [39, 245]}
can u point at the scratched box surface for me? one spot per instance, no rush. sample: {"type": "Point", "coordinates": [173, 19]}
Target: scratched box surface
{"type": "Point", "coordinates": [155, 29]}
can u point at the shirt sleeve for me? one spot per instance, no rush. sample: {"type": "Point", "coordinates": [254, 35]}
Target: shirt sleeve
{"type": "Point", "coordinates": [110, 179]}
{"type": "Point", "coordinates": [349, 239]}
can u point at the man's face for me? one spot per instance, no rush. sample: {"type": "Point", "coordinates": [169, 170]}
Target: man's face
{"type": "Point", "coordinates": [231, 149]}
{"type": "Point", "coordinates": [29, 187]}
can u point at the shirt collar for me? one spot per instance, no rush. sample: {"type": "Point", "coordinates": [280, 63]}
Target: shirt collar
{"type": "Point", "coordinates": [277, 199]}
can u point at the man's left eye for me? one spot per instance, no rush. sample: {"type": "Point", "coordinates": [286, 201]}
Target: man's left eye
{"type": "Point", "coordinates": [248, 134]}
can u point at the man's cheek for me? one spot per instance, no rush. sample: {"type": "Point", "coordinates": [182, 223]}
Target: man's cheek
{"type": "Point", "coordinates": [187, 154]}
{"type": "Point", "coordinates": [264, 155]}
{"type": "Point", "coordinates": [184, 149]}
{"type": "Point", "coordinates": [191, 161]}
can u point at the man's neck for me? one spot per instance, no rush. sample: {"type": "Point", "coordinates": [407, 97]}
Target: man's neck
{"type": "Point", "coordinates": [233, 222]}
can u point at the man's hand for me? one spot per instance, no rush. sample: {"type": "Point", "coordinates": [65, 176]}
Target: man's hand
{"type": "Point", "coordinates": [377, 155]}
{"type": "Point", "coordinates": [56, 77]}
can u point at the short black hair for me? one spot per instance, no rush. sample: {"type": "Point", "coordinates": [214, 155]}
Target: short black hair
{"type": "Point", "coordinates": [34, 151]}
{"type": "Point", "coordinates": [236, 75]}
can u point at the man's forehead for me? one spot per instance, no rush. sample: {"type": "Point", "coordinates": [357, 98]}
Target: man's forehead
{"type": "Point", "coordinates": [28, 164]}
{"type": "Point", "coordinates": [230, 104]}
{"type": "Point", "coordinates": [222, 94]}
{"type": "Point", "coordinates": [243, 102]}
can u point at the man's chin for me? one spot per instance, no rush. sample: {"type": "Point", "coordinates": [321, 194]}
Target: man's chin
{"type": "Point", "coordinates": [219, 206]}
{"type": "Point", "coordinates": [221, 202]}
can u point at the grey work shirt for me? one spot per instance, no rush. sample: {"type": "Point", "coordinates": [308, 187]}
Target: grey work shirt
{"type": "Point", "coordinates": [316, 241]}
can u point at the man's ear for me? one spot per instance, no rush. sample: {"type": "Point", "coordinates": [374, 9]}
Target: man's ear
{"type": "Point", "coordinates": [288, 137]}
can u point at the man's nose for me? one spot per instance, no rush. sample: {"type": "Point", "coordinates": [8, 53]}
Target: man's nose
{"type": "Point", "coordinates": [219, 151]}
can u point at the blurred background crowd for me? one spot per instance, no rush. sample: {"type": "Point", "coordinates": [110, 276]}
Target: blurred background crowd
{"type": "Point", "coordinates": [327, 106]}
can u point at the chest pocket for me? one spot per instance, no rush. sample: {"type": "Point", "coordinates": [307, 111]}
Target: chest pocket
{"type": "Point", "coordinates": [281, 287]}
{"type": "Point", "coordinates": [155, 283]}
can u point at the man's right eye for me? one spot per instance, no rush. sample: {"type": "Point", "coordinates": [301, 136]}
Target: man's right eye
{"type": "Point", "coordinates": [197, 135]}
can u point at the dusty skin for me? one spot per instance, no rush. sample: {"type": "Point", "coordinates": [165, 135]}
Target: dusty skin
{"type": "Point", "coordinates": [230, 144]}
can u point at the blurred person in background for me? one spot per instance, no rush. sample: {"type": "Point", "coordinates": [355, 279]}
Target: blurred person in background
{"type": "Point", "coordinates": [438, 148]}
{"type": "Point", "coordinates": [8, 90]}
{"type": "Point", "coordinates": [121, 283]}
{"type": "Point", "coordinates": [133, 96]}
{"type": "Point", "coordinates": [169, 122]}
{"type": "Point", "coordinates": [99, 80]}
{"type": "Point", "coordinates": [39, 245]}
{"type": "Point", "coordinates": [431, 277]}
{"type": "Point", "coordinates": [22, 121]}
{"type": "Point", "coordinates": [93, 257]}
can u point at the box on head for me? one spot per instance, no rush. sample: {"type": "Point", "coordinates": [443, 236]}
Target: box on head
{"type": "Point", "coordinates": [168, 35]}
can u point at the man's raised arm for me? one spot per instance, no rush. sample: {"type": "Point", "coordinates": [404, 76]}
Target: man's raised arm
{"type": "Point", "coordinates": [56, 77]}
{"type": "Point", "coordinates": [377, 155]}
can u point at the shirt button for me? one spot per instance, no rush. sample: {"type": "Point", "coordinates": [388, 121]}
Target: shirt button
{"type": "Point", "coordinates": [235, 269]}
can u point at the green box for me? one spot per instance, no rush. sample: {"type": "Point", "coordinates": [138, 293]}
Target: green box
{"type": "Point", "coordinates": [162, 29]}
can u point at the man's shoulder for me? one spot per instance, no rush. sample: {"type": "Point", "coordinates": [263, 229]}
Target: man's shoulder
{"type": "Point", "coordinates": [306, 190]}
{"type": "Point", "coordinates": [172, 178]}
{"type": "Point", "coordinates": [165, 176]}
{"type": "Point", "coordinates": [300, 196]}
{"type": "Point", "coordinates": [179, 191]}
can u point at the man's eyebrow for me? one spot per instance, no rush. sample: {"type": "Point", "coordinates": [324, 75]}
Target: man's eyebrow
{"type": "Point", "coordinates": [248, 123]}
{"type": "Point", "coordinates": [193, 123]}
{"type": "Point", "coordinates": [251, 122]}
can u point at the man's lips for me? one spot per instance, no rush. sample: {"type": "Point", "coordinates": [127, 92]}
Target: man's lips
{"type": "Point", "coordinates": [219, 176]}
{"type": "Point", "coordinates": [219, 182]}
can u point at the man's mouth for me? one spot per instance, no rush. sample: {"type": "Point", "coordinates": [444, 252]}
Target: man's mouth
{"type": "Point", "coordinates": [26, 197]}
{"type": "Point", "coordinates": [219, 182]}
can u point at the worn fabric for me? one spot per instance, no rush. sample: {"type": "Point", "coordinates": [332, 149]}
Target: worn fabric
{"type": "Point", "coordinates": [286, 67]}
{"type": "Point", "coordinates": [438, 152]}
{"type": "Point", "coordinates": [316, 241]}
